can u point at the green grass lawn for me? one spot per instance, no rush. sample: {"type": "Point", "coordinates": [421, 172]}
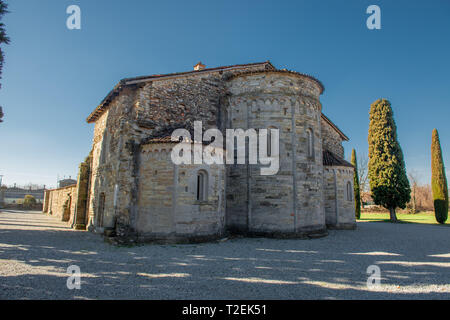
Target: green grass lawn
{"type": "Point", "coordinates": [422, 217]}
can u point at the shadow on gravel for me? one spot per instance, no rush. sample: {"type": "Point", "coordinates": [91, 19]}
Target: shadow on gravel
{"type": "Point", "coordinates": [418, 221]}
{"type": "Point", "coordinates": [34, 264]}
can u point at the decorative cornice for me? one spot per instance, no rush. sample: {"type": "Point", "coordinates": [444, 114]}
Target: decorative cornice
{"type": "Point", "coordinates": [247, 73]}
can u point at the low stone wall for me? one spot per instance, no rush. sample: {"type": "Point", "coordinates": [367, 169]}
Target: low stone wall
{"type": "Point", "coordinates": [60, 203]}
{"type": "Point", "coordinates": [339, 198]}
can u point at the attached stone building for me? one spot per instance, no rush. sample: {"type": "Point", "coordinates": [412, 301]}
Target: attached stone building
{"type": "Point", "coordinates": [134, 189]}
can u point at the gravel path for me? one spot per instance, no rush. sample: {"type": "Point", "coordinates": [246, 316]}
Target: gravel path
{"type": "Point", "coordinates": [36, 250]}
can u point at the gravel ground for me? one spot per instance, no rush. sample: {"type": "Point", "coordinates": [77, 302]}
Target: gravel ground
{"type": "Point", "coordinates": [36, 250]}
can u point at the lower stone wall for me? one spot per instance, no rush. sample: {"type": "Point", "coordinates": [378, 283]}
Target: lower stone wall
{"type": "Point", "coordinates": [168, 208]}
{"type": "Point", "coordinates": [339, 198]}
{"type": "Point", "coordinates": [61, 203]}
{"type": "Point", "coordinates": [237, 198]}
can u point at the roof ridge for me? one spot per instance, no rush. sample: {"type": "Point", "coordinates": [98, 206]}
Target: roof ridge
{"type": "Point", "coordinates": [195, 71]}
{"type": "Point", "coordinates": [129, 81]}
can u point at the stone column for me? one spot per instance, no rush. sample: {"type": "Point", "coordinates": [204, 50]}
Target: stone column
{"type": "Point", "coordinates": [82, 195]}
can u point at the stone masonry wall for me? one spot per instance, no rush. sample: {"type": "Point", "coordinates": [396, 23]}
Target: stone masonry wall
{"type": "Point", "coordinates": [346, 218]}
{"type": "Point", "coordinates": [340, 212]}
{"type": "Point", "coordinates": [167, 201]}
{"type": "Point", "coordinates": [58, 198]}
{"type": "Point", "coordinates": [80, 220]}
{"type": "Point", "coordinates": [330, 195]}
{"type": "Point", "coordinates": [110, 158]}
{"type": "Point", "coordinates": [139, 112]}
{"type": "Point", "coordinates": [290, 201]}
{"type": "Point", "coordinates": [293, 201]}
{"type": "Point", "coordinates": [332, 141]}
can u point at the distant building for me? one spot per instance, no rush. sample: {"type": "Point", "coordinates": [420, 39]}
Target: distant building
{"type": "Point", "coordinates": [2, 196]}
{"type": "Point", "coordinates": [16, 194]}
{"type": "Point", "coordinates": [66, 182]}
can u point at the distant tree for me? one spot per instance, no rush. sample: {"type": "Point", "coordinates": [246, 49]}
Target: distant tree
{"type": "Point", "coordinates": [356, 186]}
{"type": "Point", "coordinates": [388, 181]}
{"type": "Point", "coordinates": [438, 180]}
{"type": "Point", "coordinates": [424, 198]}
{"type": "Point", "coordinates": [413, 177]}
{"type": "Point", "coordinates": [363, 161]}
{"type": "Point", "coordinates": [3, 40]}
{"type": "Point", "coordinates": [29, 201]}
{"type": "Point", "coordinates": [33, 186]}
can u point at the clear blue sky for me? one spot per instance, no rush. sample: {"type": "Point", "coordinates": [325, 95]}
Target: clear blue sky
{"type": "Point", "coordinates": [54, 77]}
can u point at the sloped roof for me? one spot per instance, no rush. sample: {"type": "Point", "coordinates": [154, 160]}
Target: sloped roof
{"type": "Point", "coordinates": [236, 66]}
{"type": "Point", "coordinates": [132, 81]}
{"type": "Point", "coordinates": [330, 159]}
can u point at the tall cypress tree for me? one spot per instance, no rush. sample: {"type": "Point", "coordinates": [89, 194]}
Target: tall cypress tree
{"type": "Point", "coordinates": [3, 40]}
{"type": "Point", "coordinates": [438, 180]}
{"type": "Point", "coordinates": [356, 186]}
{"type": "Point", "coordinates": [388, 181]}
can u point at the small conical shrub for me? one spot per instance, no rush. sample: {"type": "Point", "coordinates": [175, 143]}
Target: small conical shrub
{"type": "Point", "coordinates": [438, 180]}
{"type": "Point", "coordinates": [356, 186]}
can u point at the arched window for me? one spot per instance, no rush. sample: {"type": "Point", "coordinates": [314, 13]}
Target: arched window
{"type": "Point", "coordinates": [269, 140]}
{"type": "Point", "coordinates": [202, 185]}
{"type": "Point", "coordinates": [349, 191]}
{"type": "Point", "coordinates": [310, 142]}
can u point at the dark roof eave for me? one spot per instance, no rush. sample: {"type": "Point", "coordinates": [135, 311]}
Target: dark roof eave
{"type": "Point", "coordinates": [100, 108]}
{"type": "Point", "coordinates": [329, 159]}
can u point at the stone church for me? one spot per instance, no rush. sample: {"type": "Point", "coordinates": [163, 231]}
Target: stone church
{"type": "Point", "coordinates": [129, 187]}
